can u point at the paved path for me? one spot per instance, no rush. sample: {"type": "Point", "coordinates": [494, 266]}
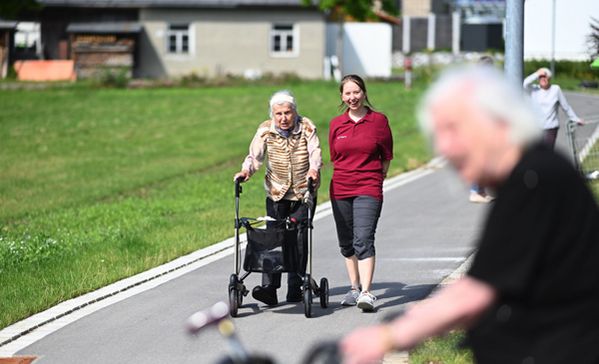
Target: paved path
{"type": "Point", "coordinates": [426, 231]}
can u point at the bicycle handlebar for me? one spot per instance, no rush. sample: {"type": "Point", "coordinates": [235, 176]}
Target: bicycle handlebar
{"type": "Point", "coordinates": [204, 318]}
{"type": "Point", "coordinates": [324, 353]}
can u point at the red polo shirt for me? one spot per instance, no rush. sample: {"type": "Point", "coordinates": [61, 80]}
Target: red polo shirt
{"type": "Point", "coordinates": [358, 150]}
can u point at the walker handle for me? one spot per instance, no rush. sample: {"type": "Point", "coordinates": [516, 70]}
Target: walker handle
{"type": "Point", "coordinates": [238, 188]}
{"type": "Point", "coordinates": [310, 185]}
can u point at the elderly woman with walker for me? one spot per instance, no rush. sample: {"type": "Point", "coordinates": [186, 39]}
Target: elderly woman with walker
{"type": "Point", "coordinates": [289, 144]}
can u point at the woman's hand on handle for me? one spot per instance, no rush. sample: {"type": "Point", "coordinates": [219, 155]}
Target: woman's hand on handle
{"type": "Point", "coordinates": [242, 176]}
{"type": "Point", "coordinates": [312, 173]}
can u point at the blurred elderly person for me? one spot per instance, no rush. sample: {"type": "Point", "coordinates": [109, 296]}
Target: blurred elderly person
{"type": "Point", "coordinates": [532, 291]}
{"type": "Point", "coordinates": [291, 147]}
{"type": "Point", "coordinates": [547, 98]}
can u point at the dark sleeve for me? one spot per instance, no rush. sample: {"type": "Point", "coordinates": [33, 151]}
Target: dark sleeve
{"type": "Point", "coordinates": [386, 141]}
{"type": "Point", "coordinates": [517, 230]}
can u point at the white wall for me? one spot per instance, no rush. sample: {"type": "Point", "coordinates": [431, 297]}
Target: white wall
{"type": "Point", "coordinates": [572, 21]}
{"type": "Point", "coordinates": [366, 48]}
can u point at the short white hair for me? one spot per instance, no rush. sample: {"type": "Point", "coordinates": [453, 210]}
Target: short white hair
{"type": "Point", "coordinates": [282, 97]}
{"type": "Point", "coordinates": [492, 93]}
{"type": "Point", "coordinates": [546, 71]}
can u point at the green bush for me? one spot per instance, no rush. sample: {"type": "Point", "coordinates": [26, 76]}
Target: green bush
{"type": "Point", "coordinates": [117, 77]}
{"type": "Point", "coordinates": [576, 69]}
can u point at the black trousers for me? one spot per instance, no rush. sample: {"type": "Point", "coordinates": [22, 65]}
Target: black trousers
{"type": "Point", "coordinates": [549, 136]}
{"type": "Point", "coordinates": [279, 210]}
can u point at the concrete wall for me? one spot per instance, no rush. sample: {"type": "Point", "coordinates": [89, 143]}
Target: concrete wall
{"type": "Point", "coordinates": [421, 8]}
{"type": "Point", "coordinates": [416, 8]}
{"type": "Point", "coordinates": [366, 48]}
{"type": "Point", "coordinates": [572, 27]}
{"type": "Point", "coordinates": [418, 34]}
{"type": "Point", "coordinates": [230, 42]}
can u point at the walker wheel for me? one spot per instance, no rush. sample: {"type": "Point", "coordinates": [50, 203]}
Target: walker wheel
{"type": "Point", "coordinates": [308, 302]}
{"type": "Point", "coordinates": [324, 293]}
{"type": "Point", "coordinates": [234, 301]}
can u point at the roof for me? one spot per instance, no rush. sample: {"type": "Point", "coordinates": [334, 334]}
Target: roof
{"type": "Point", "coordinates": [105, 27]}
{"type": "Point", "coordinates": [7, 24]}
{"type": "Point", "coordinates": [168, 3]}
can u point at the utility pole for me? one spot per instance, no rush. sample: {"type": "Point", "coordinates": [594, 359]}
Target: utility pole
{"type": "Point", "coordinates": [514, 40]}
{"type": "Point", "coordinates": [553, 39]}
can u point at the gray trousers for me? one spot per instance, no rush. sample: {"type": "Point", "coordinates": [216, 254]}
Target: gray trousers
{"type": "Point", "coordinates": [356, 219]}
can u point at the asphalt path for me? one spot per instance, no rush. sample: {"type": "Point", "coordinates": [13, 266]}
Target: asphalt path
{"type": "Point", "coordinates": [427, 229]}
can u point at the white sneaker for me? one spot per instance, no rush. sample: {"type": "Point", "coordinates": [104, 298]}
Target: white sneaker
{"type": "Point", "coordinates": [478, 198]}
{"type": "Point", "coordinates": [350, 298]}
{"type": "Point", "coordinates": [366, 301]}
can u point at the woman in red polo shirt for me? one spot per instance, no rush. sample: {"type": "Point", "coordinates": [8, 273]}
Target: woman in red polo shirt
{"type": "Point", "coordinates": [361, 149]}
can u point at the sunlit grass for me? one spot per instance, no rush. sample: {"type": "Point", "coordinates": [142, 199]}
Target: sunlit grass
{"type": "Point", "coordinates": [442, 350]}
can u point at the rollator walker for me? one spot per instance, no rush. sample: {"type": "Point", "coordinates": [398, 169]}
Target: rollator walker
{"type": "Point", "coordinates": [270, 250]}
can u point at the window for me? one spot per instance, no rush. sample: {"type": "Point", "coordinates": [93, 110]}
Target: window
{"type": "Point", "coordinates": [284, 40]}
{"type": "Point", "coordinates": [178, 39]}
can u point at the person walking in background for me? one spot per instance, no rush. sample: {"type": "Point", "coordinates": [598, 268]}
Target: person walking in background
{"type": "Point", "coordinates": [291, 147]}
{"type": "Point", "coordinates": [361, 147]}
{"type": "Point", "coordinates": [547, 98]}
{"type": "Point", "coordinates": [478, 194]}
{"type": "Point", "coordinates": [532, 291]}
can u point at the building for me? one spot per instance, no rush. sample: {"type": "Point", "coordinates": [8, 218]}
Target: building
{"type": "Point", "coordinates": [459, 25]}
{"type": "Point", "coordinates": [426, 24]}
{"type": "Point", "coordinates": [482, 24]}
{"type": "Point", "coordinates": [171, 38]}
{"type": "Point", "coordinates": [7, 30]}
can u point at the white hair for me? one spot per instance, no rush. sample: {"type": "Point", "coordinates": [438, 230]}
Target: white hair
{"type": "Point", "coordinates": [491, 93]}
{"type": "Point", "coordinates": [282, 97]}
{"type": "Point", "coordinates": [547, 71]}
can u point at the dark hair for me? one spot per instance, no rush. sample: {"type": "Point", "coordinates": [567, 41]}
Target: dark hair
{"type": "Point", "coordinates": [358, 81]}
{"type": "Point", "coordinates": [486, 60]}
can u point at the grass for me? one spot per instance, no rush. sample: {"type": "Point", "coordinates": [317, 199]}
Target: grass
{"type": "Point", "coordinates": [100, 184]}
{"type": "Point", "coordinates": [442, 350]}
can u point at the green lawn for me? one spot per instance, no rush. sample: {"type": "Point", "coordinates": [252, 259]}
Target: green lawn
{"type": "Point", "coordinates": [100, 184]}
{"type": "Point", "coordinates": [442, 350]}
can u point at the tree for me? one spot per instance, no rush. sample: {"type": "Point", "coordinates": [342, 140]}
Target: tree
{"type": "Point", "coordinates": [16, 9]}
{"type": "Point", "coordinates": [593, 38]}
{"type": "Point", "coordinates": [356, 9]}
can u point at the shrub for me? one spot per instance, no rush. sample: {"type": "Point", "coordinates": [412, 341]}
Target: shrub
{"type": "Point", "coordinates": [574, 69]}
{"type": "Point", "coordinates": [113, 77]}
